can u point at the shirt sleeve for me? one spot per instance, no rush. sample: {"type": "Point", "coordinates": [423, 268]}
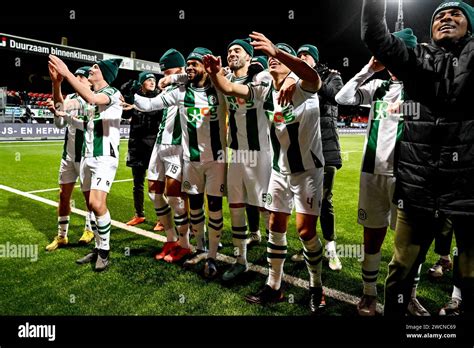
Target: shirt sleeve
{"type": "Point", "coordinates": [354, 91]}
{"type": "Point", "coordinates": [179, 79]}
{"type": "Point", "coordinates": [59, 122]}
{"type": "Point", "coordinates": [75, 121]}
{"type": "Point", "coordinates": [301, 95]}
{"type": "Point", "coordinates": [160, 102]}
{"type": "Point", "coordinates": [258, 90]}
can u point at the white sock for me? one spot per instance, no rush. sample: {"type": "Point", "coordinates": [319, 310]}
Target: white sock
{"type": "Point", "coordinates": [95, 230]}
{"type": "Point", "coordinates": [276, 254]}
{"type": "Point", "coordinates": [215, 225]}
{"type": "Point", "coordinates": [239, 233]}
{"type": "Point", "coordinates": [197, 224]}
{"type": "Point", "coordinates": [181, 220]}
{"type": "Point", "coordinates": [313, 254]}
{"type": "Point", "coordinates": [103, 226]}
{"type": "Point", "coordinates": [370, 271]}
{"type": "Point", "coordinates": [415, 283]}
{"type": "Point", "coordinates": [162, 209]}
{"type": "Point", "coordinates": [88, 226]}
{"type": "Point", "coordinates": [456, 293]}
{"type": "Point", "coordinates": [63, 225]}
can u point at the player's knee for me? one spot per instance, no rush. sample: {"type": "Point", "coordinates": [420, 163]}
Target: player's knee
{"type": "Point", "coordinates": [306, 233]}
{"type": "Point", "coordinates": [173, 187]}
{"type": "Point", "coordinates": [277, 223]}
{"type": "Point", "coordinates": [97, 207]}
{"type": "Point", "coordinates": [214, 203]}
{"type": "Point", "coordinates": [155, 186]}
{"type": "Point", "coordinates": [64, 195]}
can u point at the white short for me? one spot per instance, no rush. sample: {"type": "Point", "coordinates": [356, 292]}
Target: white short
{"type": "Point", "coordinates": [248, 182]}
{"type": "Point", "coordinates": [98, 173]}
{"type": "Point", "coordinates": [376, 209]}
{"type": "Point", "coordinates": [166, 160]}
{"type": "Point", "coordinates": [69, 171]}
{"type": "Point", "coordinates": [206, 177]}
{"type": "Point", "coordinates": [302, 191]}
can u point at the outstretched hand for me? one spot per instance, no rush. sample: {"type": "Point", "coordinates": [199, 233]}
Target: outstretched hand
{"type": "Point", "coordinates": [55, 76]}
{"type": "Point", "coordinates": [58, 65]}
{"type": "Point", "coordinates": [262, 43]}
{"type": "Point", "coordinates": [212, 64]}
{"type": "Point", "coordinates": [56, 111]}
{"type": "Point", "coordinates": [164, 82]}
{"type": "Point", "coordinates": [127, 106]}
{"type": "Point", "coordinates": [287, 90]}
{"type": "Point", "coordinates": [375, 65]}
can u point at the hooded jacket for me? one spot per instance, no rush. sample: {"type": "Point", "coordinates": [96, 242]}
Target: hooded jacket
{"type": "Point", "coordinates": [435, 172]}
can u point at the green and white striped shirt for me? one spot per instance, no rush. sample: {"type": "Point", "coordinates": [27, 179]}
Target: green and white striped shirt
{"type": "Point", "coordinates": [74, 137]}
{"type": "Point", "coordinates": [170, 132]}
{"type": "Point", "coordinates": [295, 132]}
{"type": "Point", "coordinates": [248, 124]}
{"type": "Point", "coordinates": [101, 125]}
{"type": "Point", "coordinates": [385, 126]}
{"type": "Point", "coordinates": [202, 114]}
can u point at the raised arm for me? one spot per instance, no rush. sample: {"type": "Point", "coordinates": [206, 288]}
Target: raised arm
{"type": "Point", "coordinates": [81, 89]}
{"type": "Point", "coordinates": [213, 67]}
{"type": "Point", "coordinates": [390, 50]}
{"type": "Point", "coordinates": [61, 118]}
{"type": "Point", "coordinates": [161, 101]}
{"type": "Point", "coordinates": [353, 92]}
{"type": "Point", "coordinates": [310, 79]}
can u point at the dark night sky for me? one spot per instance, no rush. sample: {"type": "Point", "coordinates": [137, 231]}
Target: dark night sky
{"type": "Point", "coordinates": [332, 25]}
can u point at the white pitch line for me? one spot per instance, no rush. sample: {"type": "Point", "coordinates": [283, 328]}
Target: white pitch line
{"type": "Point", "coordinates": [57, 188]}
{"type": "Point", "coordinates": [295, 281]}
{"type": "Point", "coordinates": [44, 142]}
{"type": "Point", "coordinates": [123, 180]}
{"type": "Point", "coordinates": [32, 145]}
{"type": "Point", "coordinates": [32, 141]}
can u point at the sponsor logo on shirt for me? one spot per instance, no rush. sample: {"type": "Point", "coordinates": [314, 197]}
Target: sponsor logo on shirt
{"type": "Point", "coordinates": [197, 114]}
{"type": "Point", "coordinates": [285, 116]}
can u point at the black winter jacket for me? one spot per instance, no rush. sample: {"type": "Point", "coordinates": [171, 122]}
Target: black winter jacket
{"type": "Point", "coordinates": [332, 84]}
{"type": "Point", "coordinates": [435, 171]}
{"type": "Point", "coordinates": [143, 130]}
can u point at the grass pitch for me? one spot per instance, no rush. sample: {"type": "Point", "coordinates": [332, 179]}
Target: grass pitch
{"type": "Point", "coordinates": [136, 284]}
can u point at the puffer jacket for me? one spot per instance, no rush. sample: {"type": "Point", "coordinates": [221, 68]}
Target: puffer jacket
{"type": "Point", "coordinates": [435, 172]}
{"type": "Point", "coordinates": [332, 84]}
{"type": "Point", "coordinates": [143, 131]}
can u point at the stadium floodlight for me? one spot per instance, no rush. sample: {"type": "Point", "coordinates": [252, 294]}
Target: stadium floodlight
{"type": "Point", "coordinates": [399, 25]}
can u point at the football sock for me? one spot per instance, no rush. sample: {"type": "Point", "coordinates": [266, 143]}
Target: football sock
{"type": "Point", "coordinates": [370, 271]}
{"type": "Point", "coordinates": [276, 254]}
{"type": "Point", "coordinates": [103, 226]}
{"type": "Point", "coordinates": [216, 222]}
{"type": "Point", "coordinates": [197, 223]}
{"type": "Point", "coordinates": [180, 220]}
{"type": "Point", "coordinates": [239, 234]}
{"type": "Point", "coordinates": [313, 254]}
{"type": "Point", "coordinates": [63, 225]}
